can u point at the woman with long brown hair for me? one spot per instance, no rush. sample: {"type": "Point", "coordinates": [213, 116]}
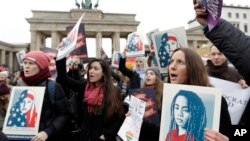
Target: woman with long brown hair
{"type": "Point", "coordinates": [153, 80]}
{"type": "Point", "coordinates": [186, 67]}
{"type": "Point", "coordinates": [149, 130]}
{"type": "Point", "coordinates": [100, 105]}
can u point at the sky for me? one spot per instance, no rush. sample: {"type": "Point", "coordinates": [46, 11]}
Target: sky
{"type": "Point", "coordinates": [162, 14]}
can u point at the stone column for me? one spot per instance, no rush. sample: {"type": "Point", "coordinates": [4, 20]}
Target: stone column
{"type": "Point", "coordinates": [33, 41]}
{"type": "Point", "coordinates": [10, 61]}
{"type": "Point", "coordinates": [116, 42]}
{"type": "Point", "coordinates": [3, 52]}
{"type": "Point", "coordinates": [15, 62]}
{"type": "Point", "coordinates": [98, 44]}
{"type": "Point", "coordinates": [39, 41]}
{"type": "Point", "coordinates": [194, 44]}
{"type": "Point", "coordinates": [55, 39]}
{"type": "Point", "coordinates": [43, 40]}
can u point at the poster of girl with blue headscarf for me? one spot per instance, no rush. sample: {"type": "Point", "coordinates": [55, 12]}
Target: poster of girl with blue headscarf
{"type": "Point", "coordinates": [23, 114]}
{"type": "Point", "coordinates": [165, 42]}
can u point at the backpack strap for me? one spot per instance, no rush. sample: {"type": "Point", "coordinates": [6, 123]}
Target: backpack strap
{"type": "Point", "coordinates": [51, 86]}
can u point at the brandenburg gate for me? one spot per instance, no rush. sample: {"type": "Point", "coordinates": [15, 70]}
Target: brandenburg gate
{"type": "Point", "coordinates": [98, 25]}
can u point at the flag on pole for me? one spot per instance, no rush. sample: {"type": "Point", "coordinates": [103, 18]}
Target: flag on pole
{"type": "Point", "coordinates": [68, 44]}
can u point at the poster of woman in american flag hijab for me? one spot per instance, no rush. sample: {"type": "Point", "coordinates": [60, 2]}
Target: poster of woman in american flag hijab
{"type": "Point", "coordinates": [135, 45]}
{"type": "Point", "coordinates": [165, 42]}
{"type": "Point", "coordinates": [23, 114]}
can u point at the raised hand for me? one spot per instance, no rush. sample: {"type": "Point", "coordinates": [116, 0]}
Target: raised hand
{"type": "Point", "coordinates": [200, 13]}
{"type": "Point", "coordinates": [124, 52]}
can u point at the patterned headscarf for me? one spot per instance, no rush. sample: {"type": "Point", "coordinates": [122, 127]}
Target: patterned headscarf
{"type": "Point", "coordinates": [163, 52]}
{"type": "Point", "coordinates": [19, 119]}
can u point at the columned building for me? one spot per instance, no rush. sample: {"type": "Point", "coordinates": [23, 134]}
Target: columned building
{"type": "Point", "coordinates": [238, 15]}
{"type": "Point", "coordinates": [8, 54]}
{"type": "Point", "coordinates": [98, 25]}
{"type": "Point", "coordinates": [196, 38]}
{"type": "Point", "coordinates": [52, 24]}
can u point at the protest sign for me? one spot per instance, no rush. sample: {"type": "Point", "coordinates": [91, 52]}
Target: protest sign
{"type": "Point", "coordinates": [192, 108]}
{"type": "Point", "coordinates": [235, 96]}
{"type": "Point", "coordinates": [69, 43]}
{"type": "Point", "coordinates": [116, 59]}
{"type": "Point", "coordinates": [165, 42]}
{"type": "Point", "coordinates": [149, 36]}
{"type": "Point", "coordinates": [51, 53]}
{"type": "Point", "coordinates": [148, 95]}
{"type": "Point", "coordinates": [135, 44]}
{"type": "Point", "coordinates": [23, 113]}
{"type": "Point", "coordinates": [19, 56]}
{"type": "Point", "coordinates": [131, 127]}
{"type": "Point", "coordinates": [213, 8]}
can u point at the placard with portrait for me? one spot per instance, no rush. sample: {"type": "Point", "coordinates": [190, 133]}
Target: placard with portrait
{"type": "Point", "coordinates": [188, 110]}
{"type": "Point", "coordinates": [23, 113]}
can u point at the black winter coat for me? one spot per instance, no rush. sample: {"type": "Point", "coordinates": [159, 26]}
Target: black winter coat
{"type": "Point", "coordinates": [53, 116]}
{"type": "Point", "coordinates": [223, 72]}
{"type": "Point", "coordinates": [93, 126]}
{"type": "Point", "coordinates": [236, 46]}
{"type": "Point", "coordinates": [132, 75]}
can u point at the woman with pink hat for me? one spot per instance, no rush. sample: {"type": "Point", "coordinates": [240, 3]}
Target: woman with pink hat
{"type": "Point", "coordinates": [54, 114]}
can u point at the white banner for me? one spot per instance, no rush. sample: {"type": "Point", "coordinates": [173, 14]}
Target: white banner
{"type": "Point", "coordinates": [131, 127]}
{"type": "Point", "coordinates": [235, 96]}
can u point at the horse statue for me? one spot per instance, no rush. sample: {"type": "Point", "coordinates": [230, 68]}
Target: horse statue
{"type": "Point", "coordinates": [87, 4]}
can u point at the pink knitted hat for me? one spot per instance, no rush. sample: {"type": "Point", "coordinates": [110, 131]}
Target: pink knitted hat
{"type": "Point", "coordinates": [39, 57]}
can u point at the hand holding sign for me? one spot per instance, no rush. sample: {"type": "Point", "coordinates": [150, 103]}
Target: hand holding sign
{"type": "Point", "coordinates": [68, 44]}
{"type": "Point", "coordinates": [213, 9]}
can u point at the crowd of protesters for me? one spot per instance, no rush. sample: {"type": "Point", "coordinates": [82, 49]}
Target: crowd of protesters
{"type": "Point", "coordinates": [92, 97]}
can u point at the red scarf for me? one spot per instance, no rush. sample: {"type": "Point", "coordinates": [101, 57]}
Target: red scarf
{"type": "Point", "coordinates": [93, 95]}
{"type": "Point", "coordinates": [36, 79]}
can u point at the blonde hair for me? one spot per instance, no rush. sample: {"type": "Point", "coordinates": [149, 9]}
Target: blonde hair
{"type": "Point", "coordinates": [145, 66]}
{"type": "Point", "coordinates": [4, 74]}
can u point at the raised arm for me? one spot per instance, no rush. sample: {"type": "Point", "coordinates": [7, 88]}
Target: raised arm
{"type": "Point", "coordinates": [229, 40]}
{"type": "Point", "coordinates": [125, 71]}
{"type": "Point", "coordinates": [234, 44]}
{"type": "Point", "coordinates": [65, 80]}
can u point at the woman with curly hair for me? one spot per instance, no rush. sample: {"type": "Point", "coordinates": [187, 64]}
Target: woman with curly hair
{"type": "Point", "coordinates": [188, 117]}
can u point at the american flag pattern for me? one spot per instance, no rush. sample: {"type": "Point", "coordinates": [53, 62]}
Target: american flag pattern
{"type": "Point", "coordinates": [163, 52]}
{"type": "Point", "coordinates": [134, 43]}
{"type": "Point", "coordinates": [19, 119]}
